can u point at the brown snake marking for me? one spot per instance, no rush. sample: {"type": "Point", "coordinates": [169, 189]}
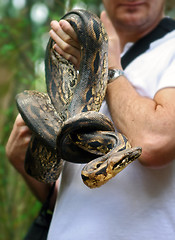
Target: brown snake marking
{"type": "Point", "coordinates": [65, 121]}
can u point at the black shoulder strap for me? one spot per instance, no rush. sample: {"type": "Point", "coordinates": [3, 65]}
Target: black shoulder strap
{"type": "Point", "coordinates": [165, 26]}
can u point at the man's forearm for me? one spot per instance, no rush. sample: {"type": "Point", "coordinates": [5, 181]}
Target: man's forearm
{"type": "Point", "coordinates": [142, 120]}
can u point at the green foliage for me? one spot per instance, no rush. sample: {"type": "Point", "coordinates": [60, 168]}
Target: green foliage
{"type": "Point", "coordinates": [21, 46]}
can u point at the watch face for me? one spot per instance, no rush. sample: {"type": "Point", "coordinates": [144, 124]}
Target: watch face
{"type": "Point", "coordinates": [114, 74]}
{"type": "Point", "coordinates": [111, 73]}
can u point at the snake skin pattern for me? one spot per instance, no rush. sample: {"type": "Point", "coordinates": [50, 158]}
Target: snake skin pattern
{"type": "Point", "coordinates": [65, 121]}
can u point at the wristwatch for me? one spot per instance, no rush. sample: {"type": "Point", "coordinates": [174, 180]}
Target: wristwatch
{"type": "Point", "coordinates": [113, 74]}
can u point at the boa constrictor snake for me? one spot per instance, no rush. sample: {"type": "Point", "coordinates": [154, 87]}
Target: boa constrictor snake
{"type": "Point", "coordinates": [65, 121]}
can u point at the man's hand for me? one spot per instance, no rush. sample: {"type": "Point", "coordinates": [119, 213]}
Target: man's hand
{"type": "Point", "coordinates": [17, 143]}
{"type": "Point", "coordinates": [113, 42]}
{"type": "Point", "coordinates": [16, 150]}
{"type": "Point", "coordinates": [66, 40]}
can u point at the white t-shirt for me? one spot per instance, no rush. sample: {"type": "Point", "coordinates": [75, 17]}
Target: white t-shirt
{"type": "Point", "coordinates": [138, 203]}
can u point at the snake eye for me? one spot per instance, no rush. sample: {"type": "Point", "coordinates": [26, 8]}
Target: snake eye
{"type": "Point", "coordinates": [120, 163]}
{"type": "Point", "coordinates": [98, 165]}
{"type": "Point", "coordinates": [102, 171]}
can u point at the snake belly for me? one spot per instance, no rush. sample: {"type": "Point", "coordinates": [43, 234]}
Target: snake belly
{"type": "Point", "coordinates": [65, 121]}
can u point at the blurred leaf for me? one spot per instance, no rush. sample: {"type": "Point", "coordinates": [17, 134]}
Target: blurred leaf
{"type": "Point", "coordinates": [6, 49]}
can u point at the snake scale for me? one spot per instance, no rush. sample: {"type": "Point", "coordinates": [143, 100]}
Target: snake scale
{"type": "Point", "coordinates": [65, 121]}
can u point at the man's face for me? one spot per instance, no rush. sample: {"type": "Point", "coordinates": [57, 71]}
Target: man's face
{"type": "Point", "coordinates": [134, 13]}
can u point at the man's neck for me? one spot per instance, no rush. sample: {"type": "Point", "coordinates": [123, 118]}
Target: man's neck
{"type": "Point", "coordinates": [134, 34]}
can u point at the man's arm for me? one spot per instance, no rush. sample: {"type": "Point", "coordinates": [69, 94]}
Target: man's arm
{"type": "Point", "coordinates": [68, 46]}
{"type": "Point", "coordinates": [146, 122]}
{"type": "Point", "coordinates": [16, 148]}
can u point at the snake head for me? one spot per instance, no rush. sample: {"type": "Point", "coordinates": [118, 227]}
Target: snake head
{"type": "Point", "coordinates": [96, 173]}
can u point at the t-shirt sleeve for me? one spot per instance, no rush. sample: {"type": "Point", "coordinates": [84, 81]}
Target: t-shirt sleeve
{"type": "Point", "coordinates": [168, 76]}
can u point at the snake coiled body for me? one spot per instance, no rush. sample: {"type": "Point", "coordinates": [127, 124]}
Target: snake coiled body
{"type": "Point", "coordinates": [65, 121]}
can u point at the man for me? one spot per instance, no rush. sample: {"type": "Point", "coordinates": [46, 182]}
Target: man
{"type": "Point", "coordinates": [139, 202]}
